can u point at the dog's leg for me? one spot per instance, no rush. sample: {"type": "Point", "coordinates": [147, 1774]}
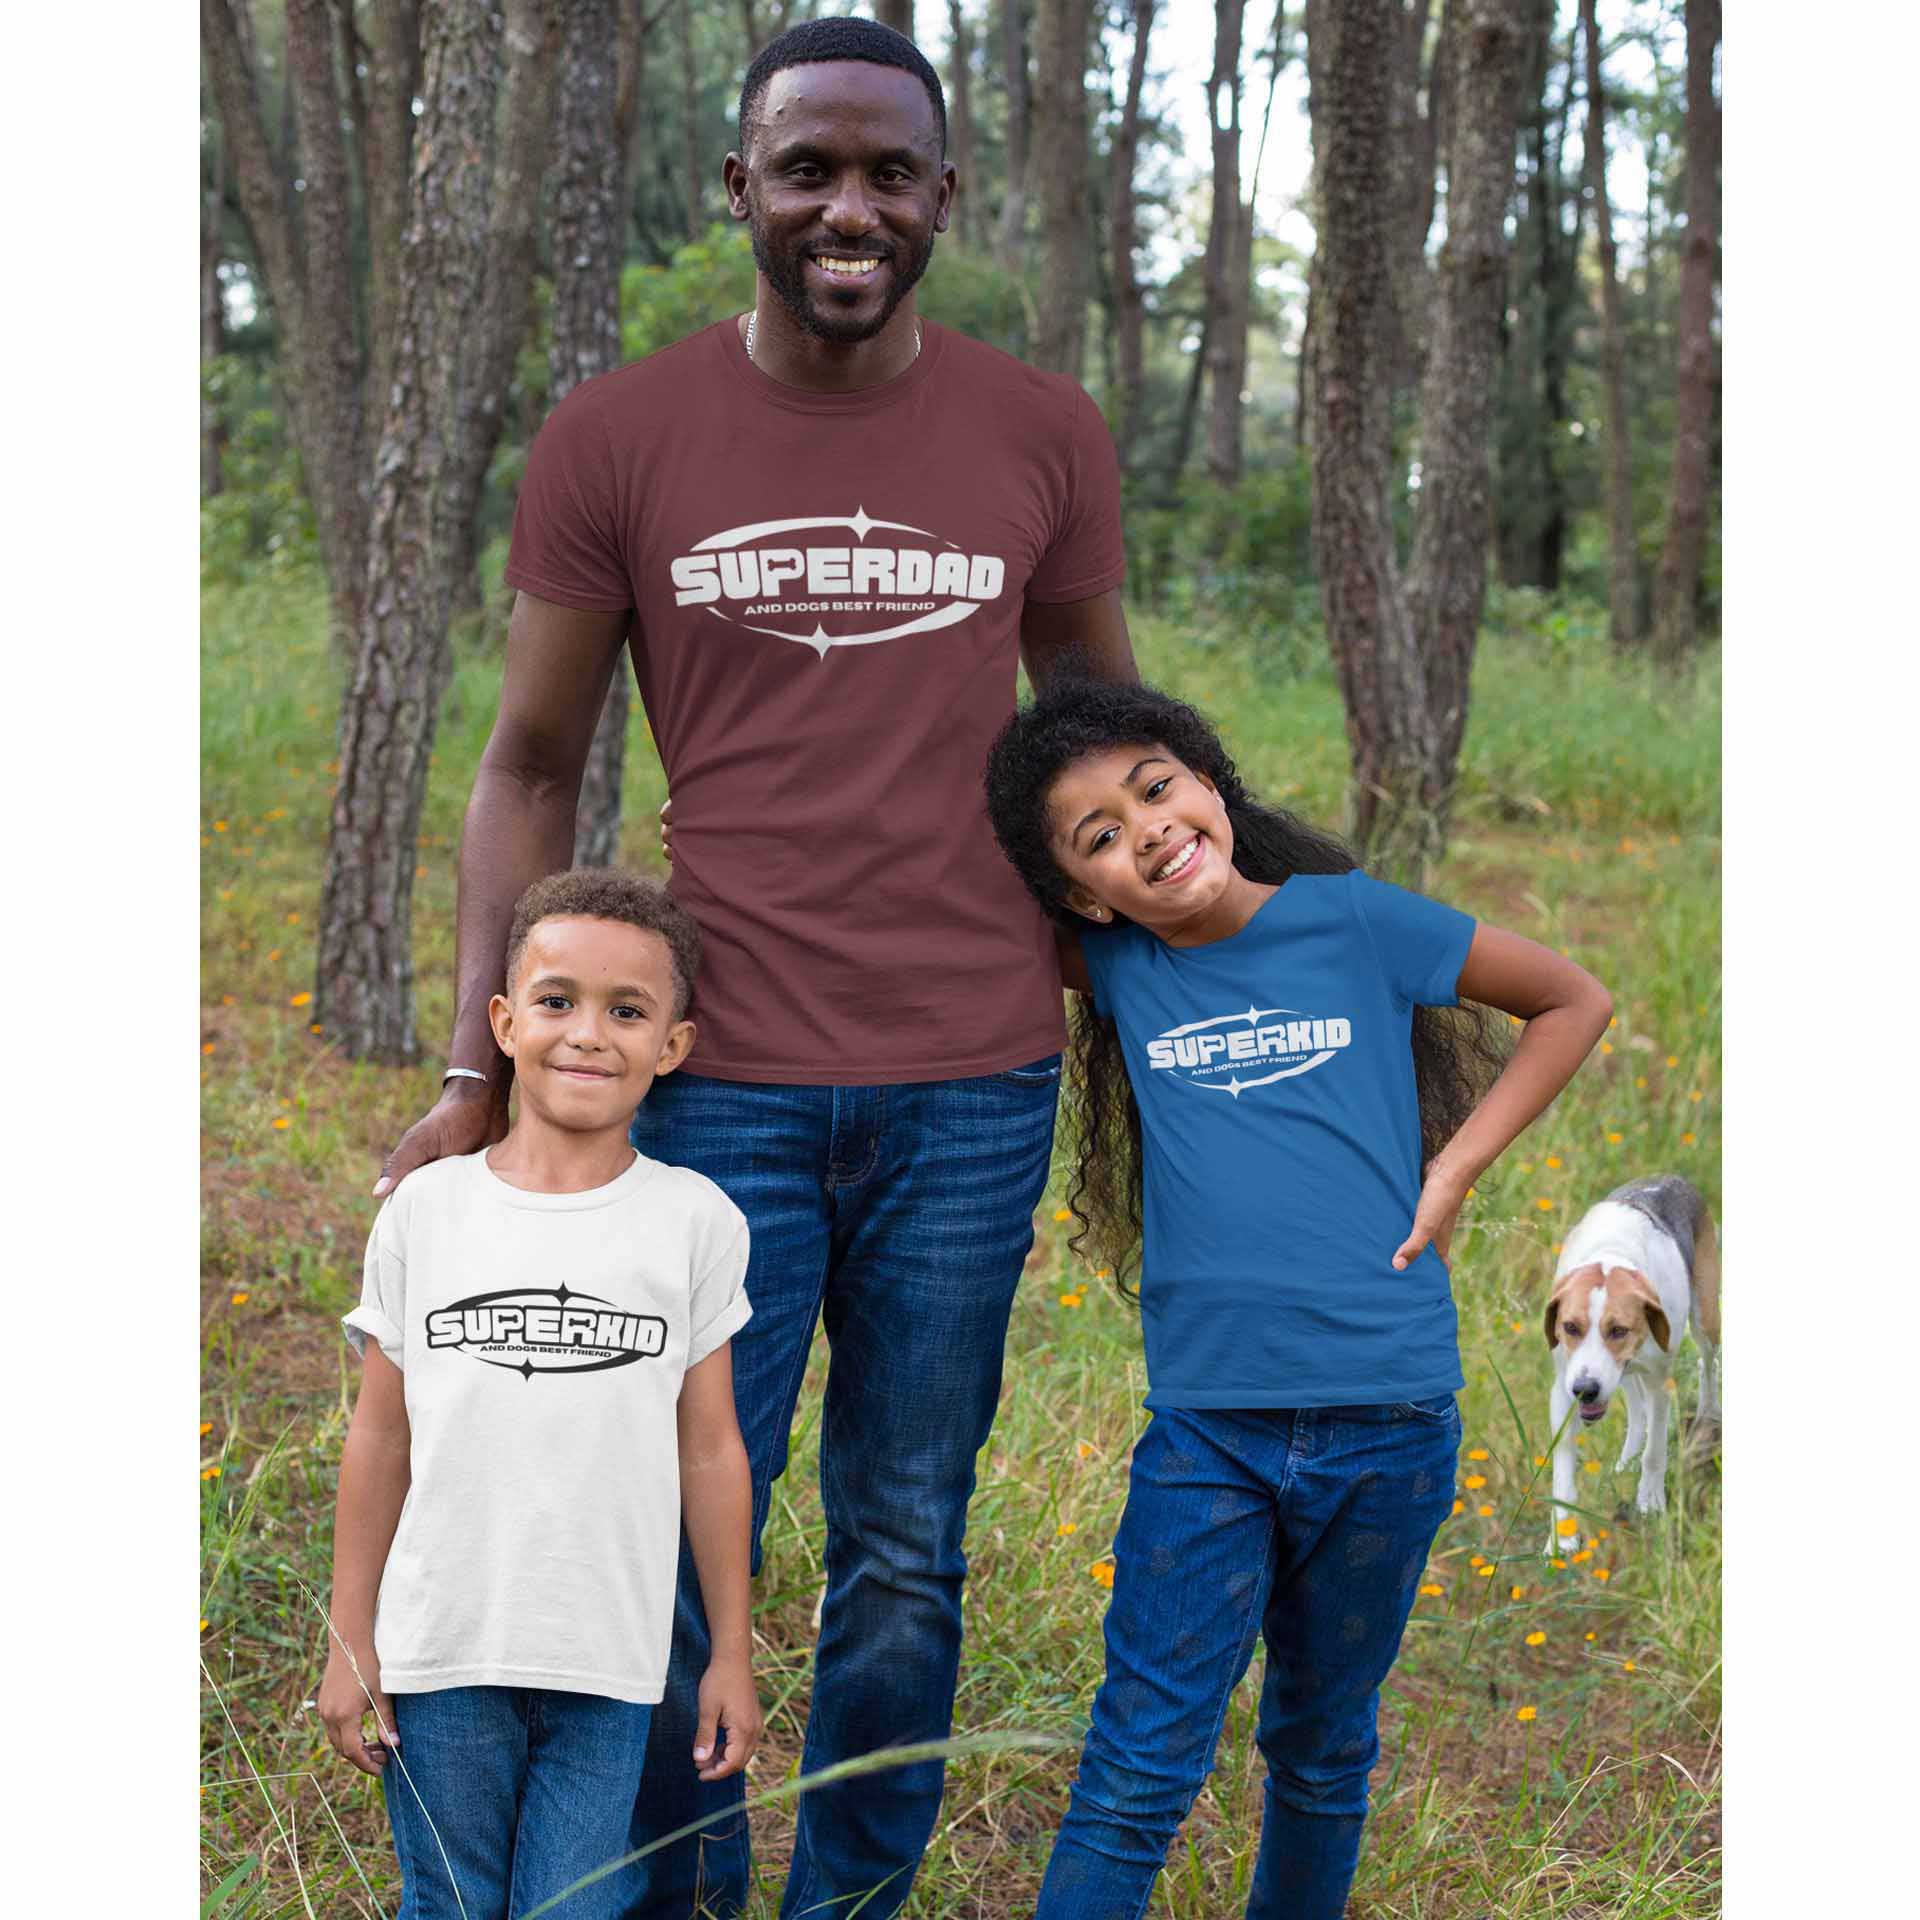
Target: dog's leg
{"type": "Point", "coordinates": [1560, 1419]}
{"type": "Point", "coordinates": [1636, 1396]}
{"type": "Point", "coordinates": [1651, 1495]}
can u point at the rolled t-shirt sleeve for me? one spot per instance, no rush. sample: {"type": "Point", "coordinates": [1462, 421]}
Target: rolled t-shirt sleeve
{"type": "Point", "coordinates": [1085, 557]}
{"type": "Point", "coordinates": [381, 1315]}
{"type": "Point", "coordinates": [719, 1307]}
{"type": "Point", "coordinates": [1421, 944]}
{"type": "Point", "coordinates": [567, 545]}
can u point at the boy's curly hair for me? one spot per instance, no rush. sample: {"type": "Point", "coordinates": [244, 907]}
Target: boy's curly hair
{"type": "Point", "coordinates": [1456, 1050]}
{"type": "Point", "coordinates": [611, 893]}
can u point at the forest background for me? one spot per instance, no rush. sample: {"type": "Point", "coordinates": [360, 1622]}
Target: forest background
{"type": "Point", "coordinates": [1428, 509]}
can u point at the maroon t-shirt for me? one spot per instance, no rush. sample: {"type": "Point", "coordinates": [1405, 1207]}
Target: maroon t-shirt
{"type": "Point", "coordinates": [826, 593]}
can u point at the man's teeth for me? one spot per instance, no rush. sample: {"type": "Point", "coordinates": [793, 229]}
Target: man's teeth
{"type": "Point", "coordinates": [1178, 861]}
{"type": "Point", "coordinates": [845, 266]}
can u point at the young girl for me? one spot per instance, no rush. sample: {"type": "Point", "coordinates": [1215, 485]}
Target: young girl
{"type": "Point", "coordinates": [547, 1395]}
{"type": "Point", "coordinates": [1267, 1102]}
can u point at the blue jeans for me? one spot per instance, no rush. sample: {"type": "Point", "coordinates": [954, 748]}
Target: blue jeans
{"type": "Point", "coordinates": [1310, 1526]}
{"type": "Point", "coordinates": [901, 1216]}
{"type": "Point", "coordinates": [525, 1790]}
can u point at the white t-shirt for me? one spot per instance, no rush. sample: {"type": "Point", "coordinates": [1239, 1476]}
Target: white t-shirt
{"type": "Point", "coordinates": [542, 1337]}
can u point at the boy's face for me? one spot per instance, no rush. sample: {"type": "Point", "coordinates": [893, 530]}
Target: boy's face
{"type": "Point", "coordinates": [589, 1023]}
{"type": "Point", "coordinates": [1138, 832]}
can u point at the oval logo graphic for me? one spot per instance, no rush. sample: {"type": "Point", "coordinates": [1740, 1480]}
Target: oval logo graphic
{"type": "Point", "coordinates": [807, 581]}
{"type": "Point", "coordinates": [1231, 1052]}
{"type": "Point", "coordinates": [531, 1330]}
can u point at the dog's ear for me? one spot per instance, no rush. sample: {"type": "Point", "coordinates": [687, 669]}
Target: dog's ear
{"type": "Point", "coordinates": [1640, 1288]}
{"type": "Point", "coordinates": [1553, 1318]}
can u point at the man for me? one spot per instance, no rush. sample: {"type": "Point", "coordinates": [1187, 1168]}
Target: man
{"type": "Point", "coordinates": [824, 530]}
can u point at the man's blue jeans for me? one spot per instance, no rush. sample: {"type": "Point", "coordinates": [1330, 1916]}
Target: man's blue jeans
{"type": "Point", "coordinates": [510, 1794]}
{"type": "Point", "coordinates": [901, 1216]}
{"type": "Point", "coordinates": [1310, 1526]}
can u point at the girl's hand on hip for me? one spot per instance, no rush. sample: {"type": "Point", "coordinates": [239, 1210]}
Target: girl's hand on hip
{"type": "Point", "coordinates": [1433, 1219]}
{"type": "Point", "coordinates": [343, 1704]}
{"type": "Point", "coordinates": [727, 1702]}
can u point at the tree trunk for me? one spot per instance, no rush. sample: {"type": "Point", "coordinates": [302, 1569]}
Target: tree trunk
{"type": "Point", "coordinates": [693, 177]}
{"type": "Point", "coordinates": [1414, 155]}
{"type": "Point", "coordinates": [586, 197]}
{"type": "Point", "coordinates": [392, 82]}
{"type": "Point", "coordinates": [1129, 301]}
{"type": "Point", "coordinates": [1402, 654]}
{"type": "Point", "coordinates": [1677, 582]}
{"type": "Point", "coordinates": [1623, 564]}
{"type": "Point", "coordinates": [966, 205]}
{"type": "Point", "coordinates": [213, 330]}
{"type": "Point", "coordinates": [1529, 514]}
{"type": "Point", "coordinates": [750, 27]}
{"type": "Point", "coordinates": [1010, 241]}
{"type": "Point", "coordinates": [897, 14]}
{"type": "Point", "coordinates": [1447, 574]}
{"type": "Point", "coordinates": [1060, 102]}
{"type": "Point", "coordinates": [1226, 337]}
{"type": "Point", "coordinates": [498, 330]}
{"type": "Point", "coordinates": [364, 984]}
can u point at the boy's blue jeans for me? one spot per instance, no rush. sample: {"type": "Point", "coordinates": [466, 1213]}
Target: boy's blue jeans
{"type": "Point", "coordinates": [525, 1790]}
{"type": "Point", "coordinates": [901, 1216]}
{"type": "Point", "coordinates": [1309, 1526]}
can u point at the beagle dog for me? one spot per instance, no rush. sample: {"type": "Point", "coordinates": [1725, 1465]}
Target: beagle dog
{"type": "Point", "coordinates": [1636, 1270]}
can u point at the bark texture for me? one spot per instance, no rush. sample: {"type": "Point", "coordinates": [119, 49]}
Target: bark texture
{"type": "Point", "coordinates": [498, 328]}
{"type": "Point", "coordinates": [1010, 240]}
{"type": "Point", "coordinates": [897, 14]}
{"type": "Point", "coordinates": [1129, 300]}
{"type": "Point", "coordinates": [393, 80]}
{"type": "Point", "coordinates": [1402, 653]}
{"type": "Point", "coordinates": [364, 986]}
{"type": "Point", "coordinates": [586, 195]}
{"type": "Point", "coordinates": [1060, 157]}
{"type": "Point", "coordinates": [1226, 348]}
{"type": "Point", "coordinates": [966, 203]}
{"type": "Point", "coordinates": [1447, 574]}
{"type": "Point", "coordinates": [693, 169]}
{"type": "Point", "coordinates": [1677, 581]}
{"type": "Point", "coordinates": [304, 269]}
{"type": "Point", "coordinates": [213, 329]}
{"type": "Point", "coordinates": [1623, 567]}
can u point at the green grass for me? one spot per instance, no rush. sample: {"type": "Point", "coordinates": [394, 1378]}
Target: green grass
{"type": "Point", "coordinates": [1588, 817]}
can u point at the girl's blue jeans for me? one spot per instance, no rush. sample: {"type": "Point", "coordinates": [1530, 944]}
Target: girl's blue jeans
{"type": "Point", "coordinates": [900, 1217]}
{"type": "Point", "coordinates": [1306, 1527]}
{"type": "Point", "coordinates": [510, 1794]}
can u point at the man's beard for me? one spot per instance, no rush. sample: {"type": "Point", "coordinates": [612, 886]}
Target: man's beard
{"type": "Point", "coordinates": [786, 276]}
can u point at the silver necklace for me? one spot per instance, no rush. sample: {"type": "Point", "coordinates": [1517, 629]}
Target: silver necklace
{"type": "Point", "coordinates": [755, 315]}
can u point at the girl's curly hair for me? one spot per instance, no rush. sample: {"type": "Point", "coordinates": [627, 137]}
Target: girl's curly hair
{"type": "Point", "coordinates": [1456, 1050]}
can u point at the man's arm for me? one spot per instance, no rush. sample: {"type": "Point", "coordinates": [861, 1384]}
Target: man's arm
{"type": "Point", "coordinates": [1088, 634]}
{"type": "Point", "coordinates": [519, 825]}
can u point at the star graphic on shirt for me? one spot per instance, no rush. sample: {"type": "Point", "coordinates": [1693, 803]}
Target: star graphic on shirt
{"type": "Point", "coordinates": [860, 523]}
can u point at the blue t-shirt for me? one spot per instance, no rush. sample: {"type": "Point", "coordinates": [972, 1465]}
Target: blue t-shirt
{"type": "Point", "coordinates": [1280, 1130]}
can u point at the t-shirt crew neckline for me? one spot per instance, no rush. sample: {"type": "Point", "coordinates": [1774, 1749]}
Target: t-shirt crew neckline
{"type": "Point", "coordinates": [733, 350]}
{"type": "Point", "coordinates": [1240, 932]}
{"type": "Point", "coordinates": [622, 1186]}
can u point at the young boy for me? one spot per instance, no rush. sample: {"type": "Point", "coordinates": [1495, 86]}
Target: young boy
{"type": "Point", "coordinates": [547, 1392]}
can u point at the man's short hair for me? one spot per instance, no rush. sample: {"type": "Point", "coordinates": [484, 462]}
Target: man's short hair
{"type": "Point", "coordinates": [609, 893]}
{"type": "Point", "coordinates": [845, 39]}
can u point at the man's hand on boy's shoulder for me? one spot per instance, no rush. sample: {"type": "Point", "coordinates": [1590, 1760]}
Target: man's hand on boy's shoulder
{"type": "Point", "coordinates": [729, 1701]}
{"type": "Point", "coordinates": [469, 1115]}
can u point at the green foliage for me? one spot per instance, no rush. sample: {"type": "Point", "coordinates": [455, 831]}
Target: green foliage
{"type": "Point", "coordinates": [262, 512]}
{"type": "Point", "coordinates": [1234, 565]}
{"type": "Point", "coordinates": [968, 292]}
{"type": "Point", "coordinates": [708, 280]}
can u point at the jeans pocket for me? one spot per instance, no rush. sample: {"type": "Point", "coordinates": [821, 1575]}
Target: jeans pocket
{"type": "Point", "coordinates": [1039, 1073]}
{"type": "Point", "coordinates": [1442, 1410]}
